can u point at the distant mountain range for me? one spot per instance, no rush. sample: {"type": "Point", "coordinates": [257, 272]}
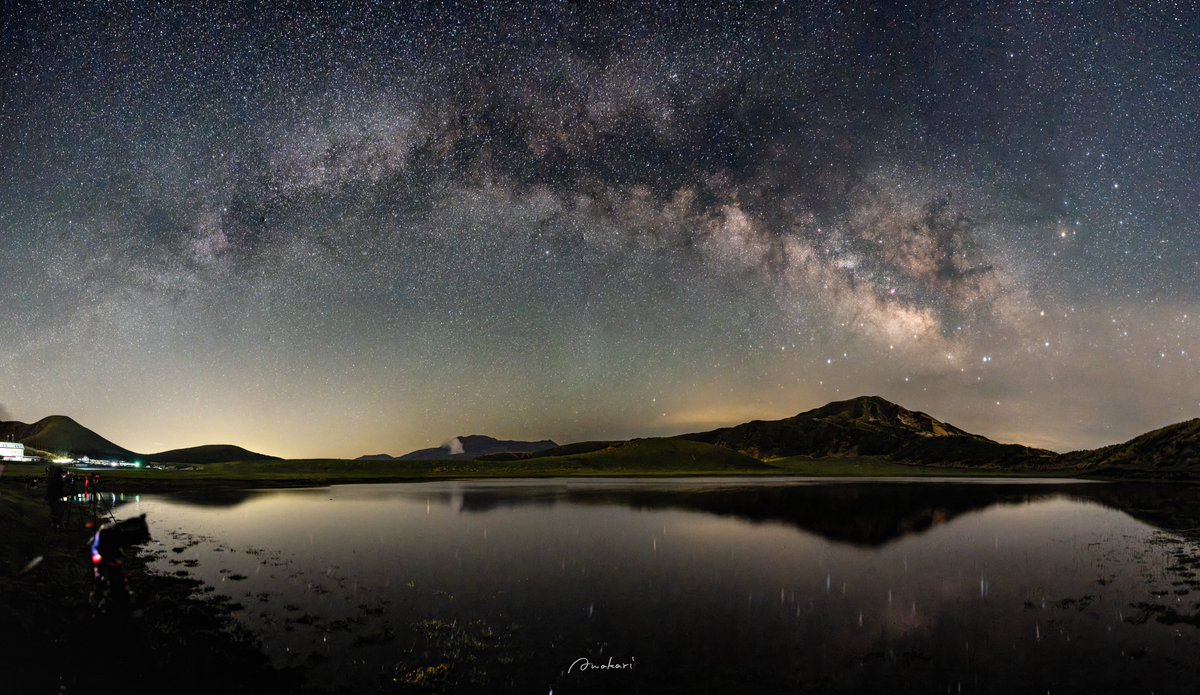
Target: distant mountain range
{"type": "Point", "coordinates": [469, 448]}
{"type": "Point", "coordinates": [61, 434]}
{"type": "Point", "coordinates": [867, 426]}
{"type": "Point", "coordinates": [873, 427]}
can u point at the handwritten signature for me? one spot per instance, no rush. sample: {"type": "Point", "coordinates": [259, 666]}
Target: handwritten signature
{"type": "Point", "coordinates": [584, 664]}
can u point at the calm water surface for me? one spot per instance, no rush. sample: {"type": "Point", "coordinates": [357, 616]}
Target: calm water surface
{"type": "Point", "coordinates": [707, 585]}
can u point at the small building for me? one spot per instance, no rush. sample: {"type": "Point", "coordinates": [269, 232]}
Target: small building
{"type": "Point", "coordinates": [12, 451]}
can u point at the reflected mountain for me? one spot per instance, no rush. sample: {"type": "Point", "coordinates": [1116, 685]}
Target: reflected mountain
{"type": "Point", "coordinates": [210, 497]}
{"type": "Point", "coordinates": [860, 514]}
{"type": "Point", "coordinates": [863, 514]}
{"type": "Point", "coordinates": [1171, 508]}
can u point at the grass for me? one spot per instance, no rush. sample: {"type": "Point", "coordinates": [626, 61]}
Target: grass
{"type": "Point", "coordinates": [659, 457]}
{"type": "Point", "coordinates": [874, 467]}
{"type": "Point", "coordinates": [638, 458]}
{"type": "Point", "coordinates": [654, 456]}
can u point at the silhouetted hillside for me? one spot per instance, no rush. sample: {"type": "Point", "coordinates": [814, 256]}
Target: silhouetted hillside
{"type": "Point", "coordinates": [211, 453]}
{"type": "Point", "coordinates": [867, 427]}
{"type": "Point", "coordinates": [1170, 452]}
{"type": "Point", "coordinates": [870, 426]}
{"type": "Point", "coordinates": [61, 434]}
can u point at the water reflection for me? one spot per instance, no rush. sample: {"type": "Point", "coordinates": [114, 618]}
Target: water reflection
{"type": "Point", "coordinates": [864, 513]}
{"type": "Point", "coordinates": [710, 585]}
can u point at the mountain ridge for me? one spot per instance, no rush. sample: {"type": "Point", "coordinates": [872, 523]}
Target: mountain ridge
{"type": "Point", "coordinates": [865, 426]}
{"type": "Point", "coordinates": [869, 426]}
{"type": "Point", "coordinates": [209, 453]}
{"type": "Point", "coordinates": [62, 434]}
{"type": "Point", "coordinates": [1171, 449]}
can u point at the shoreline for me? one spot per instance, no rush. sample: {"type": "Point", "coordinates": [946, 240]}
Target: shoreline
{"type": "Point", "coordinates": [179, 641]}
{"type": "Point", "coordinates": [240, 476]}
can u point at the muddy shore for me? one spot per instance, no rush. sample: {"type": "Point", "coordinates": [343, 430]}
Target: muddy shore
{"type": "Point", "coordinates": [180, 640]}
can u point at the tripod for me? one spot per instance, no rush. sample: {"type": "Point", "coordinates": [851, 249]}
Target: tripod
{"type": "Point", "coordinates": [95, 506]}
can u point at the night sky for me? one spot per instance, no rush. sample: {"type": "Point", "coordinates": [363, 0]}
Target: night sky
{"type": "Point", "coordinates": [346, 228]}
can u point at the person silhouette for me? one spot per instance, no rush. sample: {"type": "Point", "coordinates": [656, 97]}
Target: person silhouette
{"type": "Point", "coordinates": [55, 491]}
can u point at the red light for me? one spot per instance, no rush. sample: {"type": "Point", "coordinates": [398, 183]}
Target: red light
{"type": "Point", "coordinates": [96, 558]}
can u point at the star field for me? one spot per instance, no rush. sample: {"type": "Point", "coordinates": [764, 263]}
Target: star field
{"type": "Point", "coordinates": [360, 227]}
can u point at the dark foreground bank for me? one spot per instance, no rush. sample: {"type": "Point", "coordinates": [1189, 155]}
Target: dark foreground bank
{"type": "Point", "coordinates": [179, 641]}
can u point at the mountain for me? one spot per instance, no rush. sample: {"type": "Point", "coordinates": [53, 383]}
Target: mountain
{"type": "Point", "coordinates": [870, 426]}
{"type": "Point", "coordinates": [211, 453]}
{"type": "Point", "coordinates": [1172, 451]}
{"type": "Point", "coordinates": [61, 434]}
{"type": "Point", "coordinates": [867, 426]}
{"type": "Point", "coordinates": [466, 448]}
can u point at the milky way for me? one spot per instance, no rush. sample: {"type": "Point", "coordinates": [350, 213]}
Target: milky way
{"type": "Point", "coordinates": [360, 228]}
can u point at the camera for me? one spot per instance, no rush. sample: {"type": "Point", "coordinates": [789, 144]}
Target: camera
{"type": "Point", "coordinates": [115, 535]}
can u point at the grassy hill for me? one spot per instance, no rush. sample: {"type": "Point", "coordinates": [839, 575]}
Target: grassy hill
{"type": "Point", "coordinates": [658, 455]}
{"type": "Point", "coordinates": [870, 426]}
{"type": "Point", "coordinates": [561, 450]}
{"type": "Point", "coordinates": [59, 433]}
{"type": "Point", "coordinates": [1169, 452]}
{"type": "Point", "coordinates": [208, 454]}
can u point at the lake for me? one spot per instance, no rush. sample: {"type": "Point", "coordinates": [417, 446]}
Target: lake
{"type": "Point", "coordinates": [707, 585]}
